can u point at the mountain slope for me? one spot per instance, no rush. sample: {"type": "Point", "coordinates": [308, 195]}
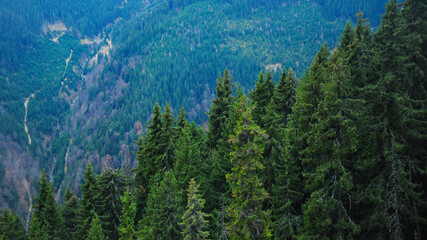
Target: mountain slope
{"type": "Point", "coordinates": [94, 86]}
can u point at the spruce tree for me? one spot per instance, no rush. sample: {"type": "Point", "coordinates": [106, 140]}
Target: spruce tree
{"type": "Point", "coordinates": [298, 130]}
{"type": "Point", "coordinates": [194, 223]}
{"type": "Point", "coordinates": [48, 219]}
{"type": "Point", "coordinates": [248, 219]}
{"type": "Point", "coordinates": [284, 96]}
{"type": "Point", "coordinates": [147, 155]}
{"type": "Point", "coordinates": [112, 185]}
{"type": "Point", "coordinates": [182, 121]}
{"type": "Point", "coordinates": [167, 143]}
{"type": "Point", "coordinates": [329, 152]}
{"type": "Point", "coordinates": [127, 229]}
{"type": "Point", "coordinates": [69, 212]}
{"type": "Point", "coordinates": [164, 210]}
{"type": "Point", "coordinates": [391, 109]}
{"type": "Point", "coordinates": [88, 203]}
{"type": "Point", "coordinates": [11, 227]}
{"type": "Point", "coordinates": [95, 231]}
{"type": "Point", "coordinates": [261, 97]}
{"type": "Point", "coordinates": [220, 110]}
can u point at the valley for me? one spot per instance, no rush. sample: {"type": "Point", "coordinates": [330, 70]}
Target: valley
{"type": "Point", "coordinates": [86, 85]}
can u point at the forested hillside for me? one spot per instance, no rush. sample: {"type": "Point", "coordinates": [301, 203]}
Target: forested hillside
{"type": "Point", "coordinates": [79, 79]}
{"type": "Point", "coordinates": [337, 154]}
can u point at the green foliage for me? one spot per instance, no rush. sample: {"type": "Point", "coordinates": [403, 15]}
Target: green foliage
{"type": "Point", "coordinates": [95, 231]}
{"type": "Point", "coordinates": [127, 229]}
{"type": "Point", "coordinates": [88, 203]}
{"type": "Point", "coordinates": [11, 227]}
{"type": "Point", "coordinates": [112, 184]}
{"type": "Point", "coordinates": [47, 220]}
{"type": "Point", "coordinates": [69, 212]}
{"type": "Point", "coordinates": [248, 220]}
{"type": "Point", "coordinates": [194, 221]}
{"type": "Point", "coordinates": [164, 210]}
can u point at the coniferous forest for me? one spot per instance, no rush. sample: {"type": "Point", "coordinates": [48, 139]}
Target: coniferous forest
{"type": "Point", "coordinates": [339, 153]}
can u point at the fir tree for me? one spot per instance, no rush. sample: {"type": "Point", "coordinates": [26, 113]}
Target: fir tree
{"type": "Point", "coordinates": [194, 221]}
{"type": "Point", "coordinates": [248, 220]}
{"type": "Point", "coordinates": [127, 219]}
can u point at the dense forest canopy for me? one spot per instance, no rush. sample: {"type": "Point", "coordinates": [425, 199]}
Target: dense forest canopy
{"type": "Point", "coordinates": [336, 154]}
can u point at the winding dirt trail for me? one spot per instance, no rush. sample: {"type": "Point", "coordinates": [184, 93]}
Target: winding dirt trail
{"type": "Point", "coordinates": [66, 62]}
{"type": "Point", "coordinates": [25, 118]}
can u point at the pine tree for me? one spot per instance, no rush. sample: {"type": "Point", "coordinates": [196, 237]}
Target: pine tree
{"type": "Point", "coordinates": [127, 219]}
{"type": "Point", "coordinates": [69, 212]}
{"type": "Point", "coordinates": [48, 220]}
{"type": "Point", "coordinates": [164, 210]}
{"type": "Point", "coordinates": [147, 155]}
{"type": "Point", "coordinates": [248, 220]}
{"type": "Point", "coordinates": [95, 231]}
{"type": "Point", "coordinates": [194, 221]}
{"type": "Point", "coordinates": [88, 203]}
{"type": "Point", "coordinates": [11, 227]}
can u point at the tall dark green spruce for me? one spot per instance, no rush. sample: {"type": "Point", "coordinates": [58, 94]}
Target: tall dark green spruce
{"type": "Point", "coordinates": [219, 114]}
{"type": "Point", "coordinates": [188, 163]}
{"type": "Point", "coordinates": [11, 227]}
{"type": "Point", "coordinates": [127, 219]}
{"type": "Point", "coordinates": [147, 154]}
{"type": "Point", "coordinates": [167, 145]}
{"type": "Point", "coordinates": [220, 126]}
{"type": "Point", "coordinates": [164, 210]}
{"type": "Point", "coordinates": [69, 211]}
{"type": "Point", "coordinates": [391, 108]}
{"type": "Point", "coordinates": [194, 223]}
{"type": "Point", "coordinates": [329, 151]}
{"type": "Point", "coordinates": [95, 231]}
{"type": "Point", "coordinates": [414, 33]}
{"type": "Point", "coordinates": [47, 221]}
{"type": "Point", "coordinates": [112, 185]}
{"type": "Point", "coordinates": [248, 220]}
{"type": "Point", "coordinates": [88, 203]}
{"type": "Point", "coordinates": [261, 97]}
{"type": "Point", "coordinates": [295, 156]}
